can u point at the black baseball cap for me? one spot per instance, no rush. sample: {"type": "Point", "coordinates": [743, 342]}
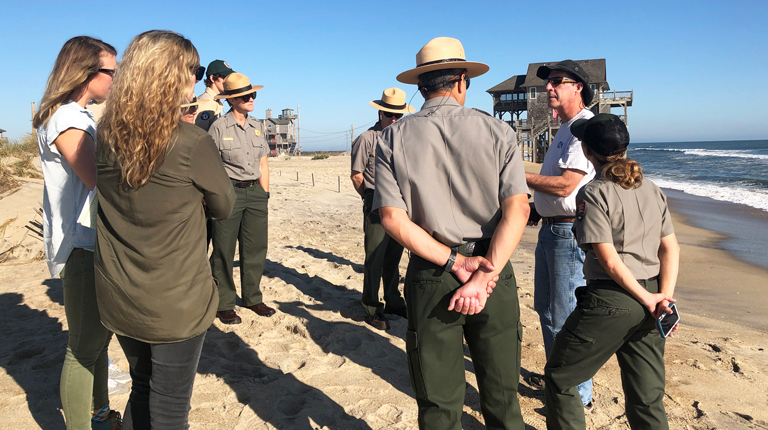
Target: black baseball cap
{"type": "Point", "coordinates": [575, 70]}
{"type": "Point", "coordinates": [218, 67]}
{"type": "Point", "coordinates": [604, 134]}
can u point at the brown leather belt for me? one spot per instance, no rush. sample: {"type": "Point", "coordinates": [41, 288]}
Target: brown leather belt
{"type": "Point", "coordinates": [556, 219]}
{"type": "Point", "coordinates": [243, 184]}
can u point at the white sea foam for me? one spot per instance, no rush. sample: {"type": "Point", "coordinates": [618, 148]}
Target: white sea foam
{"type": "Point", "coordinates": [732, 153]}
{"type": "Point", "coordinates": [756, 198]}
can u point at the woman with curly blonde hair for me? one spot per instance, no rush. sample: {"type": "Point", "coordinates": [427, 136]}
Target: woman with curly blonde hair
{"type": "Point", "coordinates": [66, 131]}
{"type": "Point", "coordinates": [153, 281]}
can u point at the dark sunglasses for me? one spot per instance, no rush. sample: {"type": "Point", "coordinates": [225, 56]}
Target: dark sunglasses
{"type": "Point", "coordinates": [392, 114]}
{"type": "Point", "coordinates": [246, 98]}
{"type": "Point", "coordinates": [190, 110]}
{"type": "Point", "coordinates": [199, 72]}
{"type": "Point", "coordinates": [110, 72]}
{"type": "Point", "coordinates": [555, 82]}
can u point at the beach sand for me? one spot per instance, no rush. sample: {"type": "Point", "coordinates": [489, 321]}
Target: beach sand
{"type": "Point", "coordinates": [317, 365]}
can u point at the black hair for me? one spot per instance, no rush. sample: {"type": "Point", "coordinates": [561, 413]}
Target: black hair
{"type": "Point", "coordinates": [438, 80]}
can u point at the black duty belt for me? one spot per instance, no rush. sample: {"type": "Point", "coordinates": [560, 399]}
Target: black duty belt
{"type": "Point", "coordinates": [244, 184]}
{"type": "Point", "coordinates": [556, 219]}
{"type": "Point", "coordinates": [470, 248]}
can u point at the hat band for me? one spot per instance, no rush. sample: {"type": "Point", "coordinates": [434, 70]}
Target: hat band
{"type": "Point", "coordinates": [235, 91]}
{"type": "Point", "coordinates": [384, 104]}
{"type": "Point", "coordinates": [448, 60]}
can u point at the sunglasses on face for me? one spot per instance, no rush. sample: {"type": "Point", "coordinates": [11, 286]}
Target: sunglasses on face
{"type": "Point", "coordinates": [246, 98]}
{"type": "Point", "coordinates": [555, 82]}
{"type": "Point", "coordinates": [198, 71]}
{"type": "Point", "coordinates": [466, 79]}
{"type": "Point", "coordinates": [392, 114]}
{"type": "Point", "coordinates": [110, 72]}
{"type": "Point", "coordinates": [190, 110]}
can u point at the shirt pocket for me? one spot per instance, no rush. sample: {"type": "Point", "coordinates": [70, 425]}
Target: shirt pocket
{"type": "Point", "coordinates": [233, 154]}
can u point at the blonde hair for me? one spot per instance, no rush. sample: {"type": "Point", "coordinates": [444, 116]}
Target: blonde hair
{"type": "Point", "coordinates": [625, 172]}
{"type": "Point", "coordinates": [142, 113]}
{"type": "Point", "coordinates": [77, 63]}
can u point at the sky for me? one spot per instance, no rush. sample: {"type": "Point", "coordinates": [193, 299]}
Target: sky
{"type": "Point", "coordinates": [684, 60]}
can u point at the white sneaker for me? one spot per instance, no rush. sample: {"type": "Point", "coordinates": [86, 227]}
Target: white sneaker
{"type": "Point", "coordinates": [115, 388]}
{"type": "Point", "coordinates": [118, 375]}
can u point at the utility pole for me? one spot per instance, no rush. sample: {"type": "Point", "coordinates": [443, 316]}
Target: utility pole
{"type": "Point", "coordinates": [351, 136]}
{"type": "Point", "coordinates": [298, 129]}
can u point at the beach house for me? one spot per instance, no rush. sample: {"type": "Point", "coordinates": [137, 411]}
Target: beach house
{"type": "Point", "coordinates": [2, 139]}
{"type": "Point", "coordinates": [281, 132]}
{"type": "Point", "coordinates": [524, 99]}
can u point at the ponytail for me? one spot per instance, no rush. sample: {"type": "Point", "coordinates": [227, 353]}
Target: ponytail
{"type": "Point", "coordinates": [625, 172]}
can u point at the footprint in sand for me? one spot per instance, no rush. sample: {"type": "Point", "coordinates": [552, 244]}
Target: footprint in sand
{"type": "Point", "coordinates": [291, 406]}
{"type": "Point", "coordinates": [389, 414]}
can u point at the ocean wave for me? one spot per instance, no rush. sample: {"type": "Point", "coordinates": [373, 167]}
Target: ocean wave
{"type": "Point", "coordinates": [732, 153]}
{"type": "Point", "coordinates": [756, 198]}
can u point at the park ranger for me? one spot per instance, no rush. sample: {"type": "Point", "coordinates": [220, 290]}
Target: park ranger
{"type": "Point", "coordinates": [211, 108]}
{"type": "Point", "coordinates": [632, 256]}
{"type": "Point", "coordinates": [450, 187]}
{"type": "Point", "coordinates": [382, 253]}
{"type": "Point", "coordinates": [241, 139]}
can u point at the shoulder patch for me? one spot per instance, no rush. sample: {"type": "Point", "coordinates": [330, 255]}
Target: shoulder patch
{"type": "Point", "coordinates": [205, 116]}
{"type": "Point", "coordinates": [481, 111]}
{"type": "Point", "coordinates": [581, 209]}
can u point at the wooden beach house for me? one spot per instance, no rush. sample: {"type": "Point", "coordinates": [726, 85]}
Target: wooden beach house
{"type": "Point", "coordinates": [524, 99]}
{"type": "Point", "coordinates": [281, 132]}
{"type": "Point", "coordinates": [2, 139]}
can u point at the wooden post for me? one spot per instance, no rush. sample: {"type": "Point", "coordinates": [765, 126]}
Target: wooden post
{"type": "Point", "coordinates": [339, 183]}
{"type": "Point", "coordinates": [297, 176]}
{"type": "Point", "coordinates": [313, 179]}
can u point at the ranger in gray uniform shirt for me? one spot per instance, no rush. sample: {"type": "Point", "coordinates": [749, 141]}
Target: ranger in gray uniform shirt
{"type": "Point", "coordinates": [624, 226]}
{"type": "Point", "coordinates": [382, 253]}
{"type": "Point", "coordinates": [244, 149]}
{"type": "Point", "coordinates": [450, 187]}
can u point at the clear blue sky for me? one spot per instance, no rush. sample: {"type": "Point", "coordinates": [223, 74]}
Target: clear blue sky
{"type": "Point", "coordinates": [685, 60]}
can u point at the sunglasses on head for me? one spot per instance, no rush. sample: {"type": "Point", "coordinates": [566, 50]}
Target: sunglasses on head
{"type": "Point", "coordinates": [246, 98]}
{"type": "Point", "coordinates": [392, 114]}
{"type": "Point", "coordinates": [560, 80]}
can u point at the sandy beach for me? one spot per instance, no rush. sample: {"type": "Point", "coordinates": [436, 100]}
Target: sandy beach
{"type": "Point", "coordinates": [317, 365]}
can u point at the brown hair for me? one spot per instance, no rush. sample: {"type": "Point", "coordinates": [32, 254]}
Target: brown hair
{"type": "Point", "coordinates": [77, 63]}
{"type": "Point", "coordinates": [625, 172]}
{"type": "Point", "coordinates": [144, 108]}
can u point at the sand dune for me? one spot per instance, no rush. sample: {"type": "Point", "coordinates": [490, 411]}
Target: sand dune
{"type": "Point", "coordinates": [315, 364]}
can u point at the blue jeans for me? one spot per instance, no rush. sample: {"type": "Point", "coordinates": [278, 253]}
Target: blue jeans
{"type": "Point", "coordinates": [558, 272]}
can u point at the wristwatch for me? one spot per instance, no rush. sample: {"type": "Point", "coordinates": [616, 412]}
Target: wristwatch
{"type": "Point", "coordinates": [451, 260]}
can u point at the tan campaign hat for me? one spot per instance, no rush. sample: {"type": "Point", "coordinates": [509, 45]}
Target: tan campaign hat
{"type": "Point", "coordinates": [236, 85]}
{"type": "Point", "coordinates": [194, 102]}
{"type": "Point", "coordinates": [438, 54]}
{"type": "Point", "coordinates": [393, 100]}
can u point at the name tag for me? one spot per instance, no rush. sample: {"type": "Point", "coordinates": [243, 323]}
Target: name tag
{"type": "Point", "coordinates": [229, 138]}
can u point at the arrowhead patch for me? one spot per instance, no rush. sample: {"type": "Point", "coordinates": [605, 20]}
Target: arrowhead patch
{"type": "Point", "coordinates": [581, 209]}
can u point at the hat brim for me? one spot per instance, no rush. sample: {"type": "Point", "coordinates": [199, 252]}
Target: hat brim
{"type": "Point", "coordinates": [474, 69]}
{"type": "Point", "coordinates": [242, 93]}
{"type": "Point", "coordinates": [195, 103]}
{"type": "Point", "coordinates": [586, 93]}
{"type": "Point", "coordinates": [377, 105]}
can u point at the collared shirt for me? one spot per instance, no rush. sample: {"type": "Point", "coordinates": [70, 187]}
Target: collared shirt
{"type": "Point", "coordinates": [450, 168]}
{"type": "Point", "coordinates": [209, 110]}
{"type": "Point", "coordinates": [633, 220]}
{"type": "Point", "coordinates": [564, 153]}
{"type": "Point", "coordinates": [241, 147]}
{"type": "Point", "coordinates": [64, 194]}
{"type": "Point", "coordinates": [364, 155]}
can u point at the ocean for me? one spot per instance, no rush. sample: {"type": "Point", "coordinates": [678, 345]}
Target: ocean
{"type": "Point", "coordinates": [702, 174]}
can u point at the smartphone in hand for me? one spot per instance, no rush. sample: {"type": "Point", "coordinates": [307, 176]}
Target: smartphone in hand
{"type": "Point", "coordinates": [667, 322]}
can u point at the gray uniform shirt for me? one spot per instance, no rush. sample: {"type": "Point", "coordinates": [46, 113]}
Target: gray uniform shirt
{"type": "Point", "coordinates": [364, 155]}
{"type": "Point", "coordinates": [450, 168]}
{"type": "Point", "coordinates": [633, 220]}
{"type": "Point", "coordinates": [241, 147]}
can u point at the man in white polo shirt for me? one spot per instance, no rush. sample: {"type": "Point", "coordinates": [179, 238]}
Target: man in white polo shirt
{"type": "Point", "coordinates": [559, 260]}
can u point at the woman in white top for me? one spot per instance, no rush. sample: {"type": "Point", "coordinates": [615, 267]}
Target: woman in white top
{"type": "Point", "coordinates": [65, 137]}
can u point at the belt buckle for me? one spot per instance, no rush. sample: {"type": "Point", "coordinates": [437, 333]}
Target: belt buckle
{"type": "Point", "coordinates": [469, 247]}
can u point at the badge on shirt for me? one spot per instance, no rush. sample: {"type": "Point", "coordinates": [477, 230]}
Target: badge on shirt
{"type": "Point", "coordinates": [560, 144]}
{"type": "Point", "coordinates": [258, 133]}
{"type": "Point", "coordinates": [581, 208]}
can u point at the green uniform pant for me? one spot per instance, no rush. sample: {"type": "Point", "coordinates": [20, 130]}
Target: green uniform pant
{"type": "Point", "coordinates": [247, 225]}
{"type": "Point", "coordinates": [607, 321]}
{"type": "Point", "coordinates": [382, 261]}
{"type": "Point", "coordinates": [84, 376]}
{"type": "Point", "coordinates": [436, 353]}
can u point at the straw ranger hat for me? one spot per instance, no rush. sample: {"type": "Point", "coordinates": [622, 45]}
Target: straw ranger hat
{"type": "Point", "coordinates": [393, 100]}
{"type": "Point", "coordinates": [236, 85]}
{"type": "Point", "coordinates": [194, 102]}
{"type": "Point", "coordinates": [438, 54]}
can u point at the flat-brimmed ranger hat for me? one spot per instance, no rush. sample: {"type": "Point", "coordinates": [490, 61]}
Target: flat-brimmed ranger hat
{"type": "Point", "coordinates": [392, 100]}
{"type": "Point", "coordinates": [236, 85]}
{"type": "Point", "coordinates": [194, 102]}
{"type": "Point", "coordinates": [218, 67]}
{"type": "Point", "coordinates": [438, 54]}
{"type": "Point", "coordinates": [604, 134]}
{"type": "Point", "coordinates": [574, 69]}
